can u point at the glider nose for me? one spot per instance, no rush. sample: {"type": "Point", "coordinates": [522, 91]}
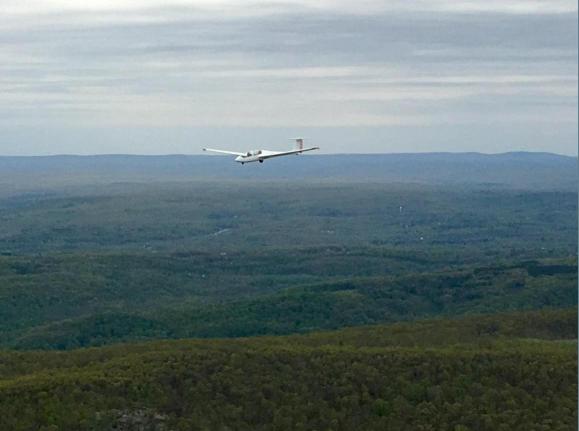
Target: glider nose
{"type": "Point", "coordinates": [238, 159]}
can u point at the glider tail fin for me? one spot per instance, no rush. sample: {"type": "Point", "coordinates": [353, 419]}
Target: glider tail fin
{"type": "Point", "coordinates": [299, 145]}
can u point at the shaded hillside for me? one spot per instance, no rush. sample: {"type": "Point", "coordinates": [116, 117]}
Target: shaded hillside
{"type": "Point", "coordinates": [67, 302]}
{"type": "Point", "coordinates": [504, 372]}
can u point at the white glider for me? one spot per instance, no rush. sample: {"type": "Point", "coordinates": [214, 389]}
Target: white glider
{"type": "Point", "coordinates": [261, 155]}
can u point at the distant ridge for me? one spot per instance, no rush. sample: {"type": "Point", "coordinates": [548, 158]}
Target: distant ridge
{"type": "Point", "coordinates": [514, 169]}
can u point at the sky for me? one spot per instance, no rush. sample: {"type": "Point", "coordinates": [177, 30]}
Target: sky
{"type": "Point", "coordinates": [172, 76]}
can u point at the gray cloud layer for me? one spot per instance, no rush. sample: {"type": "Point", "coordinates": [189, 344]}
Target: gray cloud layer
{"type": "Point", "coordinates": [375, 81]}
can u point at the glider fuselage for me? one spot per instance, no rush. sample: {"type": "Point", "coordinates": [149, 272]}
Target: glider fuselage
{"type": "Point", "coordinates": [256, 156]}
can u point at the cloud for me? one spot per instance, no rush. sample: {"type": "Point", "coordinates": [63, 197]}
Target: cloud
{"type": "Point", "coordinates": [287, 63]}
{"type": "Point", "coordinates": [249, 7]}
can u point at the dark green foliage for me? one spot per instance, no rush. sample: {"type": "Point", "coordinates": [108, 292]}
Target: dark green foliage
{"type": "Point", "coordinates": [471, 330]}
{"type": "Point", "coordinates": [428, 375]}
{"type": "Point", "coordinates": [165, 297]}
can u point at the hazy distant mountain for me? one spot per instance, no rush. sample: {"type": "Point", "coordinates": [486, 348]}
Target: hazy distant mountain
{"type": "Point", "coordinates": [519, 170]}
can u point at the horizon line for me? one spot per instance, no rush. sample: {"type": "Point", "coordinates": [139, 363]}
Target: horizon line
{"type": "Point", "coordinates": [309, 155]}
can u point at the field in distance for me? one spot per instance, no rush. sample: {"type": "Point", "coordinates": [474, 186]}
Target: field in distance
{"type": "Point", "coordinates": [94, 264]}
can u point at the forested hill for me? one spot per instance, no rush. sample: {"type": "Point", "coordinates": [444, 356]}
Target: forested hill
{"type": "Point", "coordinates": [518, 170]}
{"type": "Point", "coordinates": [505, 372]}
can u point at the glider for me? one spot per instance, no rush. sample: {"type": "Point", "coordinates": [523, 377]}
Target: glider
{"type": "Point", "coordinates": [261, 155]}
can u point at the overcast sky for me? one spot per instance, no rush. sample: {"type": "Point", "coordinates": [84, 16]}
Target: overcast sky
{"type": "Point", "coordinates": [157, 77]}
